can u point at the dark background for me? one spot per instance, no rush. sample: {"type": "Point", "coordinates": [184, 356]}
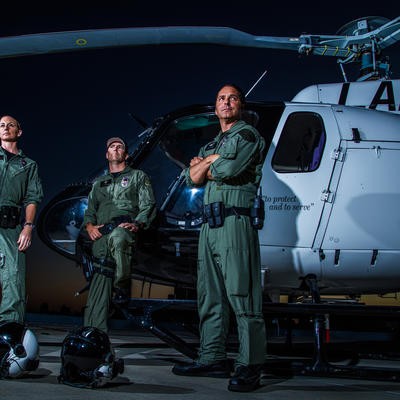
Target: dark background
{"type": "Point", "coordinates": [68, 104]}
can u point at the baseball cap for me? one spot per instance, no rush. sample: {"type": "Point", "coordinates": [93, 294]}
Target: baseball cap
{"type": "Point", "coordinates": [116, 139]}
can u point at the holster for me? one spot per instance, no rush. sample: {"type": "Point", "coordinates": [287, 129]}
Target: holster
{"type": "Point", "coordinates": [214, 214]}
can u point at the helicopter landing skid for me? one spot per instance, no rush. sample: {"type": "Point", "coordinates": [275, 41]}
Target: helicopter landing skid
{"type": "Point", "coordinates": [147, 321]}
{"type": "Point", "coordinates": [142, 312]}
{"type": "Point", "coordinates": [319, 365]}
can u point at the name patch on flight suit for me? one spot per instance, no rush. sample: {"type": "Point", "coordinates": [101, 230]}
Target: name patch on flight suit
{"type": "Point", "coordinates": [105, 183]}
{"type": "Point", "coordinates": [125, 181]}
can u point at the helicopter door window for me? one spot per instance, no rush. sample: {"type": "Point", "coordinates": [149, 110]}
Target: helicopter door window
{"type": "Point", "coordinates": [301, 144]}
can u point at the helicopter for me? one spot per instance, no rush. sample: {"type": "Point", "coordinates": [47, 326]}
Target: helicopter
{"type": "Point", "coordinates": [329, 222]}
{"type": "Point", "coordinates": [329, 176]}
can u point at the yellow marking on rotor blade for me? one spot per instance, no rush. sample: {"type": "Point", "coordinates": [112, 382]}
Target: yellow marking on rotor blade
{"type": "Point", "coordinates": [81, 42]}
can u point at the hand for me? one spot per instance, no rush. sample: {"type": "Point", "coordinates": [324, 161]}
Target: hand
{"type": "Point", "coordinates": [93, 231]}
{"type": "Point", "coordinates": [25, 238]}
{"type": "Point", "coordinates": [195, 161]}
{"type": "Point", "coordinates": [131, 226]}
{"type": "Point", "coordinates": [212, 157]}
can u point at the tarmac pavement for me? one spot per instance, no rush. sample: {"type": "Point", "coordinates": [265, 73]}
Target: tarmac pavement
{"type": "Point", "coordinates": [147, 375]}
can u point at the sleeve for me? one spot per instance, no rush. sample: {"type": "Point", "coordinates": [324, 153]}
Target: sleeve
{"type": "Point", "coordinates": [90, 213]}
{"type": "Point", "coordinates": [236, 156]}
{"type": "Point", "coordinates": [186, 172]}
{"type": "Point", "coordinates": [147, 203]}
{"type": "Point", "coordinates": [188, 179]}
{"type": "Point", "coordinates": [34, 193]}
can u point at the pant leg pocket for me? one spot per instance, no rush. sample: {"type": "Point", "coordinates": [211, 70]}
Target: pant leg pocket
{"type": "Point", "coordinates": [237, 277]}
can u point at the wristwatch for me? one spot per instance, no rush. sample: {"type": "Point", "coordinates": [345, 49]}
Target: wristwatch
{"type": "Point", "coordinates": [31, 224]}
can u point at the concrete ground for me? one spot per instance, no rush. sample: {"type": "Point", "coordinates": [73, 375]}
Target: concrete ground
{"type": "Point", "coordinates": [147, 375]}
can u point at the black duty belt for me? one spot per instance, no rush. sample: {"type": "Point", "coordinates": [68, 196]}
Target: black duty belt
{"type": "Point", "coordinates": [214, 214]}
{"type": "Point", "coordinates": [229, 211]}
{"type": "Point", "coordinates": [110, 226]}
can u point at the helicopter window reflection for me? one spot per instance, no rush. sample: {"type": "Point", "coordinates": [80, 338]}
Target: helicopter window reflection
{"type": "Point", "coordinates": [186, 135]}
{"type": "Point", "coordinates": [63, 222]}
{"type": "Point", "coordinates": [184, 208]}
{"type": "Point", "coordinates": [301, 144]}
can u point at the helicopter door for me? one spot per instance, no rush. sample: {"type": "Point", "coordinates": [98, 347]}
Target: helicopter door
{"type": "Point", "coordinates": [296, 172]}
{"type": "Point", "coordinates": [362, 232]}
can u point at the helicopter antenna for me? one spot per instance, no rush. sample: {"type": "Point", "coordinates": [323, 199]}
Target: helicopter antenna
{"type": "Point", "coordinates": [258, 80]}
{"type": "Point", "coordinates": [139, 120]}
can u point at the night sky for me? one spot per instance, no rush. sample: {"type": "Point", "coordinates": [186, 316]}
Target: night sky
{"type": "Point", "coordinates": [69, 104]}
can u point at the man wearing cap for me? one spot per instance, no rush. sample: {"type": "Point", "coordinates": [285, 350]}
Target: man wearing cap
{"type": "Point", "coordinates": [120, 204]}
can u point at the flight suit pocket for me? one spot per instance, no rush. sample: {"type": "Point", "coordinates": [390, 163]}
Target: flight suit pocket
{"type": "Point", "coordinates": [237, 272]}
{"type": "Point", "coordinates": [229, 149]}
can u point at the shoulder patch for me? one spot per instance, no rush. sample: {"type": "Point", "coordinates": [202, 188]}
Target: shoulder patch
{"type": "Point", "coordinates": [247, 135]}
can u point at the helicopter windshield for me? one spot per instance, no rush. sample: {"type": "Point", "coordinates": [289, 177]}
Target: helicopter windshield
{"type": "Point", "coordinates": [181, 140]}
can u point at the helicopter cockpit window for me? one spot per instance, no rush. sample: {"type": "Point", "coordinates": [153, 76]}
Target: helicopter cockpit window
{"type": "Point", "coordinates": [182, 141]}
{"type": "Point", "coordinates": [301, 144]}
{"type": "Point", "coordinates": [186, 135]}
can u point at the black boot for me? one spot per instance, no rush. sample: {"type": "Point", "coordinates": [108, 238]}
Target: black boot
{"type": "Point", "coordinates": [218, 369]}
{"type": "Point", "coordinates": [245, 379]}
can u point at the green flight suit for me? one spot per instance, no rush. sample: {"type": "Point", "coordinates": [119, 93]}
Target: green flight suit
{"type": "Point", "coordinates": [229, 271]}
{"type": "Point", "coordinates": [128, 193]}
{"type": "Point", "coordinates": [20, 185]}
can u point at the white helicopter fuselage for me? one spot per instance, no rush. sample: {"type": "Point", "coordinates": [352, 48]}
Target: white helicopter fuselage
{"type": "Point", "coordinates": [338, 221]}
{"type": "Point", "coordinates": [381, 95]}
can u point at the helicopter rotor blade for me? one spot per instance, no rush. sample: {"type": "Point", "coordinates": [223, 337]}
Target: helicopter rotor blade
{"type": "Point", "coordinates": [328, 45]}
{"type": "Point", "coordinates": [56, 42]}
